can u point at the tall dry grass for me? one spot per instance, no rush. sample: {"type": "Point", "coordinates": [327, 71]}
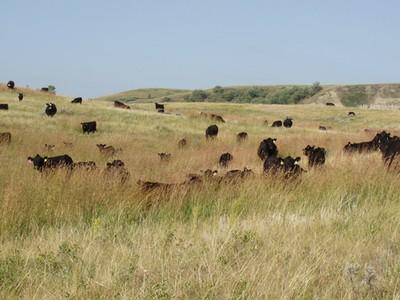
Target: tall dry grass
{"type": "Point", "coordinates": [333, 233]}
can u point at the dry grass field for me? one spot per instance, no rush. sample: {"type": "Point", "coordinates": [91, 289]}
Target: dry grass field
{"type": "Point", "coordinates": [333, 233]}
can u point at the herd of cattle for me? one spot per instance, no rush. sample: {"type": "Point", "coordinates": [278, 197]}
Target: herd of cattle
{"type": "Point", "coordinates": [273, 164]}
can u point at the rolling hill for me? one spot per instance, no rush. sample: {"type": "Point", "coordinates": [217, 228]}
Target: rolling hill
{"type": "Point", "coordinates": [346, 95]}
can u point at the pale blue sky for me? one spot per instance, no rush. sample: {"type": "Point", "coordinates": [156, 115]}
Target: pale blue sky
{"type": "Point", "coordinates": [90, 48]}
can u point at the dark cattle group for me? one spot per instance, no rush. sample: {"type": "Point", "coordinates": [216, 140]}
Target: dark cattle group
{"type": "Point", "coordinates": [273, 162]}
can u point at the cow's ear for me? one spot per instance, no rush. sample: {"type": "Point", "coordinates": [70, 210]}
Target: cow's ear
{"type": "Point", "coordinates": [274, 140]}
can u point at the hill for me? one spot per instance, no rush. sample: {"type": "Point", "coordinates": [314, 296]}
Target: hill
{"type": "Point", "coordinates": [331, 233]}
{"type": "Point", "coordinates": [346, 95]}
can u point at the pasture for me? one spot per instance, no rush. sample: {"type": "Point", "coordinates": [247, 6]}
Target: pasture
{"type": "Point", "coordinates": [332, 233]}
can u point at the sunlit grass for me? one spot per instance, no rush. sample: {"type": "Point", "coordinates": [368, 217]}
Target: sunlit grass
{"type": "Point", "coordinates": [331, 234]}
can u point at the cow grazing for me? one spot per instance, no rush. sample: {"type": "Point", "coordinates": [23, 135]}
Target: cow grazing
{"type": "Point", "coordinates": [351, 114]}
{"type": "Point", "coordinates": [20, 96]}
{"type": "Point", "coordinates": [182, 143]}
{"type": "Point", "coordinates": [211, 132]}
{"type": "Point", "coordinates": [241, 137]}
{"type": "Point", "coordinates": [48, 163]}
{"type": "Point", "coordinates": [119, 104]}
{"type": "Point", "coordinates": [329, 104]}
{"type": "Point", "coordinates": [51, 109]}
{"type": "Point", "coordinates": [288, 123]}
{"type": "Point", "coordinates": [84, 165]}
{"type": "Point", "coordinates": [316, 155]}
{"type": "Point", "coordinates": [11, 84]}
{"type": "Point", "coordinates": [89, 127]}
{"type": "Point", "coordinates": [77, 100]}
{"type": "Point", "coordinates": [217, 118]}
{"type": "Point", "coordinates": [277, 123]}
{"type": "Point", "coordinates": [117, 168]}
{"type": "Point", "coordinates": [164, 156]}
{"type": "Point", "coordinates": [108, 151]}
{"type": "Point", "coordinates": [323, 128]}
{"type": "Point", "coordinates": [44, 89]}
{"type": "Point", "coordinates": [267, 148]}
{"type": "Point", "coordinates": [5, 138]}
{"type": "Point", "coordinates": [3, 106]}
{"type": "Point", "coordinates": [373, 145]}
{"type": "Point", "coordinates": [225, 159]}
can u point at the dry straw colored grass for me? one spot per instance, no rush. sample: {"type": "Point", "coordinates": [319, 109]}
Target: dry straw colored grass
{"type": "Point", "coordinates": [331, 234]}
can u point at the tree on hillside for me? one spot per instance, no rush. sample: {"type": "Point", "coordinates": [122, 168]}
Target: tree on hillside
{"type": "Point", "coordinates": [218, 89]}
{"type": "Point", "coordinates": [52, 89]}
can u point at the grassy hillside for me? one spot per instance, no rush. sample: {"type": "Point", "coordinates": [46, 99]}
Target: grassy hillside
{"type": "Point", "coordinates": [346, 95]}
{"type": "Point", "coordinates": [145, 95]}
{"type": "Point", "coordinates": [333, 233]}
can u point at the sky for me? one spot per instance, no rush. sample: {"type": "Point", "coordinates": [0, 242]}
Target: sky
{"type": "Point", "coordinates": [93, 47]}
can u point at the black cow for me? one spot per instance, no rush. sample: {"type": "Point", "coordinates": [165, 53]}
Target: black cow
{"type": "Point", "coordinates": [211, 132]}
{"type": "Point", "coordinates": [316, 155]}
{"type": "Point", "coordinates": [272, 164]}
{"type": "Point", "coordinates": [20, 96]}
{"type": "Point", "coordinates": [277, 123]}
{"type": "Point", "coordinates": [241, 136]}
{"type": "Point", "coordinates": [119, 104]}
{"type": "Point", "coordinates": [323, 128]}
{"type": "Point", "coordinates": [51, 109]}
{"type": "Point", "coordinates": [46, 163]}
{"type": "Point", "coordinates": [182, 143]}
{"type": "Point", "coordinates": [11, 84]}
{"type": "Point", "coordinates": [5, 138]}
{"type": "Point", "coordinates": [329, 104]}
{"type": "Point", "coordinates": [3, 106]}
{"type": "Point", "coordinates": [351, 114]}
{"type": "Point", "coordinates": [44, 89]}
{"type": "Point", "coordinates": [390, 150]}
{"type": "Point", "coordinates": [89, 127]}
{"type": "Point", "coordinates": [288, 123]}
{"type": "Point", "coordinates": [164, 156]}
{"type": "Point", "coordinates": [291, 167]}
{"type": "Point", "coordinates": [117, 168]}
{"type": "Point", "coordinates": [373, 145]}
{"type": "Point", "coordinates": [225, 159]}
{"type": "Point", "coordinates": [159, 107]}
{"type": "Point", "coordinates": [77, 100]}
{"type": "Point", "coordinates": [84, 165]}
{"type": "Point", "coordinates": [267, 148]}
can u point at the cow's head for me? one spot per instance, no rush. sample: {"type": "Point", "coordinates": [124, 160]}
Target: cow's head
{"type": "Point", "coordinates": [37, 161]}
